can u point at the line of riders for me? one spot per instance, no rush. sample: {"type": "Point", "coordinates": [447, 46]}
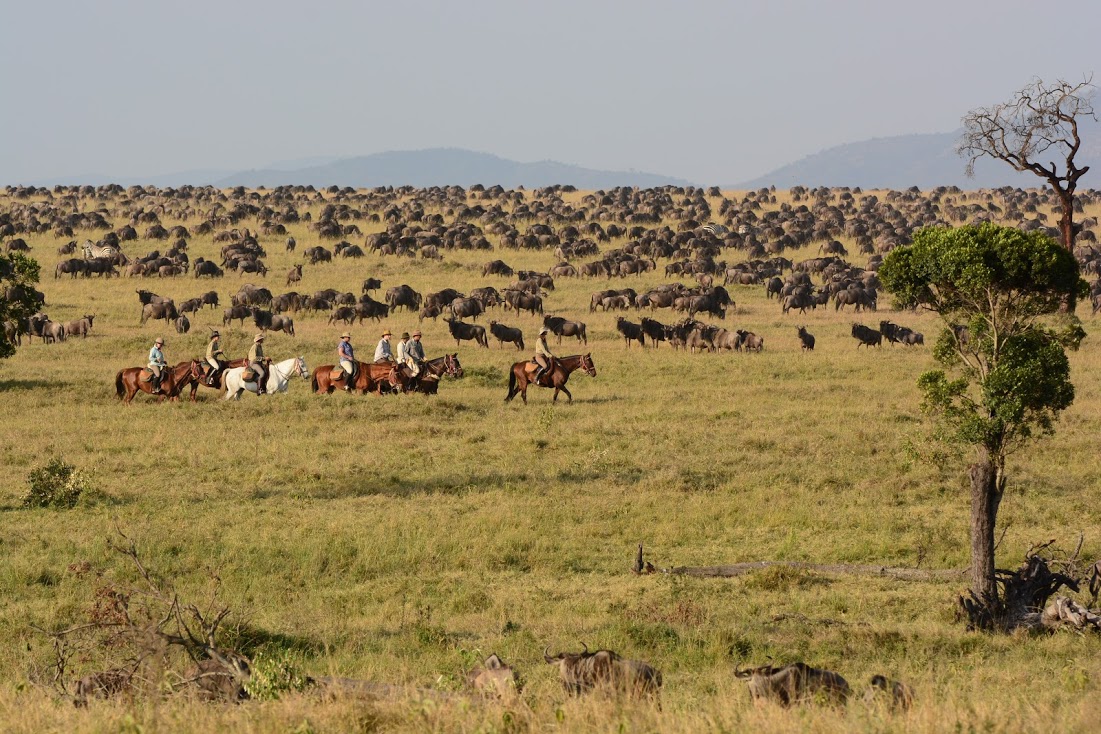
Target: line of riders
{"type": "Point", "coordinates": [410, 353]}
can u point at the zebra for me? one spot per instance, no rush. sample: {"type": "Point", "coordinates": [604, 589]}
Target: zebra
{"type": "Point", "coordinates": [92, 251]}
{"type": "Point", "coordinates": [716, 230]}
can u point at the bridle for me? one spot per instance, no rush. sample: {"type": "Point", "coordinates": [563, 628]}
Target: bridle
{"type": "Point", "coordinates": [588, 366]}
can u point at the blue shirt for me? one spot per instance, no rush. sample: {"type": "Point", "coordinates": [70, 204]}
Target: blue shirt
{"type": "Point", "coordinates": [344, 349]}
{"type": "Point", "coordinates": [156, 356]}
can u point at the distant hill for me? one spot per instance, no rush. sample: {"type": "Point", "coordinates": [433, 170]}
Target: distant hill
{"type": "Point", "coordinates": [925, 161]}
{"type": "Point", "coordinates": [443, 167]}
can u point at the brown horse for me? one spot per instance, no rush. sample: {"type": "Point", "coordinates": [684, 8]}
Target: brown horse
{"type": "Point", "coordinates": [129, 381]}
{"type": "Point", "coordinates": [433, 369]}
{"type": "Point", "coordinates": [369, 378]}
{"type": "Point", "coordinates": [523, 374]}
{"type": "Point", "coordinates": [218, 381]}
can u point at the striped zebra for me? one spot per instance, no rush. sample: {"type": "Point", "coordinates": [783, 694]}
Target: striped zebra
{"type": "Point", "coordinates": [716, 230]}
{"type": "Point", "coordinates": [93, 250]}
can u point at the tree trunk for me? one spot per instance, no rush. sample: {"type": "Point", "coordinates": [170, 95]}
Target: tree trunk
{"type": "Point", "coordinates": [986, 495]}
{"type": "Point", "coordinates": [1066, 217]}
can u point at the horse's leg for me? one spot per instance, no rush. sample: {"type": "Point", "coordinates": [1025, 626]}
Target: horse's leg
{"type": "Point", "coordinates": [569, 396]}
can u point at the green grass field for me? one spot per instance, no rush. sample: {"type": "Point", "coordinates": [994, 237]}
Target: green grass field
{"type": "Point", "coordinates": [401, 539]}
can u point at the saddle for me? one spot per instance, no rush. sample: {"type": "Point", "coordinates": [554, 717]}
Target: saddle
{"type": "Point", "coordinates": [336, 374]}
{"type": "Point", "coordinates": [147, 375]}
{"type": "Point", "coordinates": [248, 375]}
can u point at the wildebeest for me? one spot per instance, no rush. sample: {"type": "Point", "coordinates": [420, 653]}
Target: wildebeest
{"type": "Point", "coordinates": [865, 336]}
{"type": "Point", "coordinates": [524, 302]}
{"type": "Point", "coordinates": [495, 678]}
{"type": "Point", "coordinates": [467, 332]}
{"type": "Point", "coordinates": [497, 267]}
{"type": "Point", "coordinates": [466, 308]}
{"type": "Point", "coordinates": [403, 296]}
{"type": "Point", "coordinates": [318, 254]}
{"type": "Point", "coordinates": [294, 275]}
{"type": "Point", "coordinates": [368, 308]}
{"type": "Point", "coordinates": [347, 314]}
{"type": "Point", "coordinates": [261, 318]}
{"type": "Point", "coordinates": [894, 333]}
{"type": "Point", "coordinates": [191, 305]}
{"type": "Point", "coordinates": [560, 327]}
{"type": "Point", "coordinates": [506, 334]}
{"type": "Point", "coordinates": [81, 326]}
{"type": "Point", "coordinates": [210, 298]}
{"type": "Point", "coordinates": [795, 683]}
{"type": "Point", "coordinates": [371, 284]}
{"type": "Point", "coordinates": [52, 331]}
{"type": "Point", "coordinates": [183, 325]}
{"type": "Point", "coordinates": [630, 331]}
{"type": "Point", "coordinates": [73, 267]}
{"type": "Point", "coordinates": [166, 311]}
{"type": "Point", "coordinates": [899, 695]}
{"type": "Point", "coordinates": [750, 342]}
{"type": "Point", "coordinates": [207, 268]}
{"type": "Point", "coordinates": [429, 312]}
{"type": "Point", "coordinates": [805, 338]}
{"type": "Point", "coordinates": [236, 312]}
{"type": "Point", "coordinates": [291, 244]}
{"type": "Point", "coordinates": [653, 329]}
{"type": "Point", "coordinates": [857, 297]}
{"type": "Point", "coordinates": [585, 671]}
{"type": "Point", "coordinates": [284, 324]}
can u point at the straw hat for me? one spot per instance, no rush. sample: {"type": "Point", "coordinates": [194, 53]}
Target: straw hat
{"type": "Point", "coordinates": [387, 333]}
{"type": "Point", "coordinates": [160, 340]}
{"type": "Point", "coordinates": [416, 333]}
{"type": "Point", "coordinates": [258, 338]}
{"type": "Point", "coordinates": [345, 335]}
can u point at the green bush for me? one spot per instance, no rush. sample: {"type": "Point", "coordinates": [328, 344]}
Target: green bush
{"type": "Point", "coordinates": [274, 674]}
{"type": "Point", "coordinates": [56, 484]}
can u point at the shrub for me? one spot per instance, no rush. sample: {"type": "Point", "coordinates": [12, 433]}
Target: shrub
{"type": "Point", "coordinates": [274, 674]}
{"type": "Point", "coordinates": [56, 484]}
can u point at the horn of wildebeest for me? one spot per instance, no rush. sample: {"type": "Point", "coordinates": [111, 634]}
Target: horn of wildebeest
{"type": "Point", "coordinates": [546, 655]}
{"type": "Point", "coordinates": [585, 651]}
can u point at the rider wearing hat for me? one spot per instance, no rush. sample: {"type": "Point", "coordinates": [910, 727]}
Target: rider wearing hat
{"type": "Point", "coordinates": [347, 359]}
{"type": "Point", "coordinates": [215, 357]}
{"type": "Point", "coordinates": [256, 363]}
{"type": "Point", "coordinates": [414, 354]}
{"type": "Point", "coordinates": [157, 364]}
{"type": "Point", "coordinates": [382, 351]}
{"type": "Point", "coordinates": [543, 355]}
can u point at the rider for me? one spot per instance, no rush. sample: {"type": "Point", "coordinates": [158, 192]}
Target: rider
{"type": "Point", "coordinates": [347, 359]}
{"type": "Point", "coordinates": [256, 363]}
{"type": "Point", "coordinates": [543, 355]}
{"type": "Point", "coordinates": [382, 351]}
{"type": "Point", "coordinates": [414, 354]}
{"type": "Point", "coordinates": [215, 357]}
{"type": "Point", "coordinates": [157, 364]}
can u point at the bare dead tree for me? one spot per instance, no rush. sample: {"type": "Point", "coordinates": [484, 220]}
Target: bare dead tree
{"type": "Point", "coordinates": [1036, 131]}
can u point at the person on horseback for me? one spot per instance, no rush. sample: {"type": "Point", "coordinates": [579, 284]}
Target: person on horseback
{"type": "Point", "coordinates": [157, 365]}
{"type": "Point", "coordinates": [215, 357]}
{"type": "Point", "coordinates": [256, 363]}
{"type": "Point", "coordinates": [414, 354]}
{"type": "Point", "coordinates": [543, 355]}
{"type": "Point", "coordinates": [382, 351]}
{"type": "Point", "coordinates": [347, 360]}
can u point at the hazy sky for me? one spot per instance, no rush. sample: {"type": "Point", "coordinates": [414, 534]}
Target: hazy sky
{"type": "Point", "coordinates": [714, 92]}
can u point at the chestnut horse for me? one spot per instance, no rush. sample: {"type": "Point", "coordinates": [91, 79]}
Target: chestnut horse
{"type": "Point", "coordinates": [218, 383]}
{"type": "Point", "coordinates": [448, 365]}
{"type": "Point", "coordinates": [523, 374]}
{"type": "Point", "coordinates": [129, 381]}
{"type": "Point", "coordinates": [369, 378]}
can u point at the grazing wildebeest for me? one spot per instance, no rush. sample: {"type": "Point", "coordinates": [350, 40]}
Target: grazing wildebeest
{"type": "Point", "coordinates": [506, 334]}
{"type": "Point", "coordinates": [429, 312]}
{"type": "Point", "coordinates": [210, 298]}
{"type": "Point", "coordinates": [494, 678]}
{"type": "Point", "coordinates": [347, 314]}
{"type": "Point", "coordinates": [367, 308]}
{"type": "Point", "coordinates": [857, 297]}
{"type": "Point", "coordinates": [467, 332]}
{"type": "Point", "coordinates": [81, 326]}
{"type": "Point", "coordinates": [261, 318]}
{"type": "Point", "coordinates": [166, 311]}
{"type": "Point", "coordinates": [630, 331]}
{"type": "Point", "coordinates": [751, 342]}
{"type": "Point", "coordinates": [806, 339]}
{"type": "Point", "coordinates": [800, 301]}
{"type": "Point", "coordinates": [560, 327]}
{"type": "Point", "coordinates": [900, 695]}
{"type": "Point", "coordinates": [403, 296]}
{"type": "Point", "coordinates": [284, 324]}
{"type": "Point", "coordinates": [585, 671]}
{"type": "Point", "coordinates": [191, 305]}
{"type": "Point", "coordinates": [615, 303]}
{"type": "Point", "coordinates": [653, 329]}
{"type": "Point", "coordinates": [73, 266]}
{"type": "Point", "coordinates": [236, 312]}
{"type": "Point", "coordinates": [774, 286]}
{"type": "Point", "coordinates": [865, 336]}
{"type": "Point", "coordinates": [724, 339]}
{"type": "Point", "coordinates": [183, 325]}
{"type": "Point", "coordinates": [524, 302]}
{"type": "Point", "coordinates": [207, 268]}
{"type": "Point", "coordinates": [795, 683]}
{"type": "Point", "coordinates": [294, 275]}
{"type": "Point", "coordinates": [497, 267]}
{"type": "Point", "coordinates": [371, 284]}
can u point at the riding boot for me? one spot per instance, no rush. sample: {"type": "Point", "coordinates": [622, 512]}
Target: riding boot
{"type": "Point", "coordinates": [539, 375]}
{"type": "Point", "coordinates": [260, 385]}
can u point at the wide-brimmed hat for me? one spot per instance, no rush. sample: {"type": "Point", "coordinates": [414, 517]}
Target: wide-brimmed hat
{"type": "Point", "coordinates": [159, 340]}
{"type": "Point", "coordinates": [416, 333]}
{"type": "Point", "coordinates": [405, 335]}
{"type": "Point", "coordinates": [544, 330]}
{"type": "Point", "coordinates": [387, 333]}
{"type": "Point", "coordinates": [214, 334]}
{"type": "Point", "coordinates": [345, 335]}
{"type": "Point", "coordinates": [258, 338]}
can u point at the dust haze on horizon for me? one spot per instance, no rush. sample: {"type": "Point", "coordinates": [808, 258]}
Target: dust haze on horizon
{"type": "Point", "coordinates": [711, 92]}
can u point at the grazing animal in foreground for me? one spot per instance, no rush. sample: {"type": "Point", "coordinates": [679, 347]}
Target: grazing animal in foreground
{"type": "Point", "coordinates": [806, 339]}
{"type": "Point", "coordinates": [901, 696]}
{"type": "Point", "coordinates": [795, 683]}
{"type": "Point", "coordinates": [495, 678]}
{"type": "Point", "coordinates": [523, 374]}
{"type": "Point", "coordinates": [585, 671]}
{"type": "Point", "coordinates": [865, 336]}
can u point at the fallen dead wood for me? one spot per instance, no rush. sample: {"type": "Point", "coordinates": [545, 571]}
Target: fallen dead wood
{"type": "Point", "coordinates": [741, 569]}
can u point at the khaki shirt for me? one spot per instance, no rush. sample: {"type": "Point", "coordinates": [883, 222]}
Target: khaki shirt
{"type": "Point", "coordinates": [214, 349]}
{"type": "Point", "coordinates": [256, 354]}
{"type": "Point", "coordinates": [542, 348]}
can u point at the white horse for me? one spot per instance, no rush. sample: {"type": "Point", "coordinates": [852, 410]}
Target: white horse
{"type": "Point", "coordinates": [279, 376]}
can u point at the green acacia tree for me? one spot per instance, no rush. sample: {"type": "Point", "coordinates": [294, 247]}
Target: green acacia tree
{"type": "Point", "coordinates": [18, 298]}
{"type": "Point", "coordinates": [1004, 374]}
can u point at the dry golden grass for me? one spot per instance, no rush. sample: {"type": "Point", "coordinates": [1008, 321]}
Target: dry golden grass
{"type": "Point", "coordinates": [402, 539]}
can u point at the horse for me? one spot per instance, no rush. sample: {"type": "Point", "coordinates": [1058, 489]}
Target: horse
{"type": "Point", "coordinates": [129, 381]}
{"type": "Point", "coordinates": [219, 382]}
{"type": "Point", "coordinates": [448, 365]}
{"type": "Point", "coordinates": [279, 376]}
{"type": "Point", "coordinates": [368, 378]}
{"type": "Point", "coordinates": [523, 375]}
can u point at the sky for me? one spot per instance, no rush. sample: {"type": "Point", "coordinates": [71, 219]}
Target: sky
{"type": "Point", "coordinates": [711, 92]}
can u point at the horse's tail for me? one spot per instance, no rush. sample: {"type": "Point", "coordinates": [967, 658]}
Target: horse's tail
{"type": "Point", "coordinates": [119, 389]}
{"type": "Point", "coordinates": [313, 381]}
{"type": "Point", "coordinates": [511, 384]}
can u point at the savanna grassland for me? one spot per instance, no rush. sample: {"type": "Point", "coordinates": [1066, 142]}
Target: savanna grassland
{"type": "Point", "coordinates": [402, 539]}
